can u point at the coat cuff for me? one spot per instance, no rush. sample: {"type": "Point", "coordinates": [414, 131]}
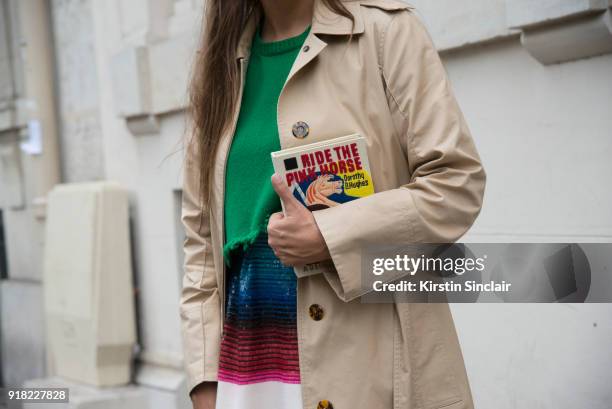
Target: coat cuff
{"type": "Point", "coordinates": [202, 340]}
{"type": "Point", "coordinates": [383, 218]}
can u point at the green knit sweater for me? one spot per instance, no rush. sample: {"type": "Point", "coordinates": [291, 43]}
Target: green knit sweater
{"type": "Point", "coordinates": [249, 197]}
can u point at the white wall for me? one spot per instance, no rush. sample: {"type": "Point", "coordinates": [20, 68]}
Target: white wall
{"type": "Point", "coordinates": [79, 105]}
{"type": "Point", "coordinates": [545, 136]}
{"type": "Point", "coordinates": [149, 165]}
{"type": "Point", "coordinates": [525, 356]}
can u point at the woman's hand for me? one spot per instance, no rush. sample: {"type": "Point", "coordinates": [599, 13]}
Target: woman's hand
{"type": "Point", "coordinates": [204, 396]}
{"type": "Point", "coordinates": [295, 236]}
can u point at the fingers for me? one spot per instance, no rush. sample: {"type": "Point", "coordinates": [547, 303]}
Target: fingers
{"type": "Point", "coordinates": [273, 229]}
{"type": "Point", "coordinates": [274, 243]}
{"type": "Point", "coordinates": [284, 257]}
{"type": "Point", "coordinates": [276, 236]}
{"type": "Point", "coordinates": [285, 194]}
{"type": "Point", "coordinates": [281, 189]}
{"type": "Point", "coordinates": [275, 217]}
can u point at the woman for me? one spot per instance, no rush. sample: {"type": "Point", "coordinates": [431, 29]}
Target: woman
{"type": "Point", "coordinates": [275, 74]}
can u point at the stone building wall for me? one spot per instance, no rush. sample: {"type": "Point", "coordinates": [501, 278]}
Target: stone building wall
{"type": "Point", "coordinates": [531, 77]}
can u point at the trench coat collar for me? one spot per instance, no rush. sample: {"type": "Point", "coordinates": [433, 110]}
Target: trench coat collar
{"type": "Point", "coordinates": [324, 21]}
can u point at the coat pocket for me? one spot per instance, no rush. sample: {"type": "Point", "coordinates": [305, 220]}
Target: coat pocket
{"type": "Point", "coordinates": [201, 330]}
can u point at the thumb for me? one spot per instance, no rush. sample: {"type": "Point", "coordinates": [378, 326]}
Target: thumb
{"type": "Point", "coordinates": [285, 194]}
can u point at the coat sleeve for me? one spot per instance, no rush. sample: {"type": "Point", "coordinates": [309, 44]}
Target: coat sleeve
{"type": "Point", "coordinates": [444, 194]}
{"type": "Point", "coordinates": [200, 307]}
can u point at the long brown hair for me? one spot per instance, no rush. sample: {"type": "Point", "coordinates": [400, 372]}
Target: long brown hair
{"type": "Point", "coordinates": [213, 91]}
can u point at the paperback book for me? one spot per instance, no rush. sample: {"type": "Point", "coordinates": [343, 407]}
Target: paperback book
{"type": "Point", "coordinates": [326, 174]}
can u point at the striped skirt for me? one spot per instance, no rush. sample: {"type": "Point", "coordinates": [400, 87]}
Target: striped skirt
{"type": "Point", "coordinates": [259, 364]}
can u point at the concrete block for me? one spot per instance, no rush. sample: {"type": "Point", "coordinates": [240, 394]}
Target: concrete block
{"type": "Point", "coordinates": [524, 13]}
{"type": "Point", "coordinates": [11, 172]}
{"type": "Point", "coordinates": [170, 63]}
{"type": "Point", "coordinates": [131, 82]}
{"type": "Point", "coordinates": [24, 244]}
{"type": "Point", "coordinates": [88, 397]}
{"type": "Point", "coordinates": [454, 24]}
{"type": "Point", "coordinates": [143, 124]}
{"type": "Point", "coordinates": [89, 303]}
{"type": "Point", "coordinates": [186, 15]}
{"type": "Point", "coordinates": [165, 386]}
{"type": "Point", "coordinates": [134, 18]}
{"type": "Point", "coordinates": [22, 331]}
{"type": "Point", "coordinates": [149, 81]}
{"type": "Point", "coordinates": [572, 40]}
{"type": "Point", "coordinates": [7, 88]}
{"type": "Point", "coordinates": [7, 115]}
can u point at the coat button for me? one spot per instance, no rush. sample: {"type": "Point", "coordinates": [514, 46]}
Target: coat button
{"type": "Point", "coordinates": [306, 48]}
{"type": "Point", "coordinates": [325, 404]}
{"type": "Point", "coordinates": [300, 129]}
{"type": "Point", "coordinates": [316, 312]}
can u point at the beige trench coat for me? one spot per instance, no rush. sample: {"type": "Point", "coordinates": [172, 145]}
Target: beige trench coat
{"type": "Point", "coordinates": [387, 84]}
